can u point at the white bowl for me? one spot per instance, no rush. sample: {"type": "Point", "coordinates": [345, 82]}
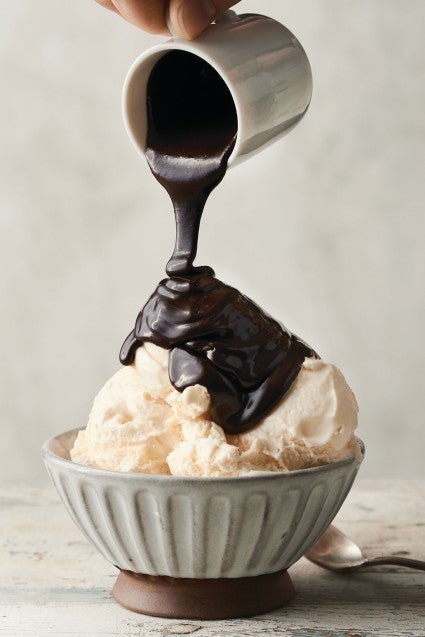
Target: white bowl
{"type": "Point", "coordinates": [199, 527]}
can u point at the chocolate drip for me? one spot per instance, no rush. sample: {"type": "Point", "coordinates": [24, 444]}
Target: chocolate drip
{"type": "Point", "coordinates": [222, 340]}
{"type": "Point", "coordinates": [192, 127]}
{"type": "Point", "coordinates": [218, 337]}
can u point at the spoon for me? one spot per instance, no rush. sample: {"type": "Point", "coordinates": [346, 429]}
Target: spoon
{"type": "Point", "coordinates": [336, 552]}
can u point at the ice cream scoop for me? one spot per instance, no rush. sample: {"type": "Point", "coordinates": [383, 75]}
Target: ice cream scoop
{"type": "Point", "coordinates": [140, 423]}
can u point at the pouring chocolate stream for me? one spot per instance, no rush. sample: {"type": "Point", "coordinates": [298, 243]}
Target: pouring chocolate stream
{"type": "Point", "coordinates": [217, 337]}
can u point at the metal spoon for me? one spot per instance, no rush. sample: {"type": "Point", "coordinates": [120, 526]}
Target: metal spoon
{"type": "Point", "coordinates": [335, 551]}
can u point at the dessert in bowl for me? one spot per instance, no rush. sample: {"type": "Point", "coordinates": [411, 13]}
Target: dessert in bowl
{"type": "Point", "coordinates": [201, 523]}
{"type": "Point", "coordinates": [224, 446]}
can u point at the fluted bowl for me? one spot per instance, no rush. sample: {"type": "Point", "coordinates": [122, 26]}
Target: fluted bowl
{"type": "Point", "coordinates": [198, 527]}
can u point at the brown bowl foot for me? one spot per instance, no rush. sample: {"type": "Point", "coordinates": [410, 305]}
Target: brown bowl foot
{"type": "Point", "coordinates": [184, 598]}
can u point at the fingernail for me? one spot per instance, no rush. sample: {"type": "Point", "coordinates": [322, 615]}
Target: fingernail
{"type": "Point", "coordinates": [194, 16]}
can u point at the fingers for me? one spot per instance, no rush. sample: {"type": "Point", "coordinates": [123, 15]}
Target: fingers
{"type": "Point", "coordinates": [148, 15]}
{"type": "Point", "coordinates": [191, 17]}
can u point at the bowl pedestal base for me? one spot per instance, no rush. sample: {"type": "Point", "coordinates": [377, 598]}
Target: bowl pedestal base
{"type": "Point", "coordinates": [185, 598]}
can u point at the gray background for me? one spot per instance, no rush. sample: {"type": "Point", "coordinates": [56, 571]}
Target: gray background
{"type": "Point", "coordinates": [333, 214]}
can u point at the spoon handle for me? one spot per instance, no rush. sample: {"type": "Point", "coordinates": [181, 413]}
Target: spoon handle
{"type": "Point", "coordinates": [395, 561]}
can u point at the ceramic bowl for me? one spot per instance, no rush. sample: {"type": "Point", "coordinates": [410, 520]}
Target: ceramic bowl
{"type": "Point", "coordinates": [199, 528]}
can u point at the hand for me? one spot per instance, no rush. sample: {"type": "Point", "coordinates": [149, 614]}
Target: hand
{"type": "Point", "coordinates": [188, 17]}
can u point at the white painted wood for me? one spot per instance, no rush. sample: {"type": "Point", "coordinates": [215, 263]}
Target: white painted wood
{"type": "Point", "coordinates": [54, 583]}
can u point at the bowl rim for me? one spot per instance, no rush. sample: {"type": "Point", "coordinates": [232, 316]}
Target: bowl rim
{"type": "Point", "coordinates": [50, 456]}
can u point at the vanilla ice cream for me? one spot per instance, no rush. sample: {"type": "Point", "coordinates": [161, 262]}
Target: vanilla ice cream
{"type": "Point", "coordinates": [140, 423]}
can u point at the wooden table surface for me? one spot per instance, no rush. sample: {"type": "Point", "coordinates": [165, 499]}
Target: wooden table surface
{"type": "Point", "coordinates": [54, 583]}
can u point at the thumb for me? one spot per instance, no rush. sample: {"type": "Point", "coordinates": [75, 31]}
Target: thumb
{"type": "Point", "coordinates": [191, 17]}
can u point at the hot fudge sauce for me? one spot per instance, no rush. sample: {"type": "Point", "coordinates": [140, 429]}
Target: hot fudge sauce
{"type": "Point", "coordinates": [217, 337]}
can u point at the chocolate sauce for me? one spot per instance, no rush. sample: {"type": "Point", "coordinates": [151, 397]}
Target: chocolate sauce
{"type": "Point", "coordinates": [218, 337]}
{"type": "Point", "coordinates": [192, 127]}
